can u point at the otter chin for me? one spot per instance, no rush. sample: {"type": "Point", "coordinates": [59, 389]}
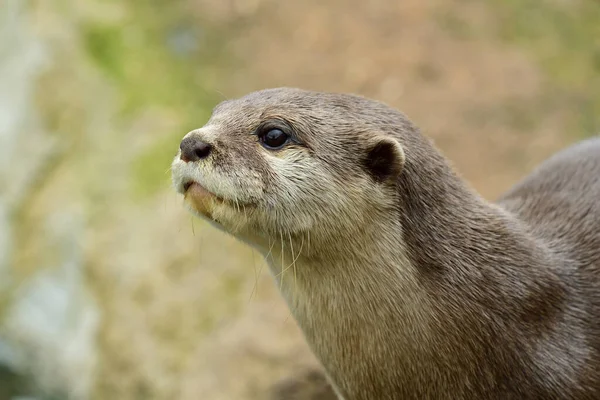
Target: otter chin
{"type": "Point", "coordinates": [405, 282]}
{"type": "Point", "coordinates": [198, 198]}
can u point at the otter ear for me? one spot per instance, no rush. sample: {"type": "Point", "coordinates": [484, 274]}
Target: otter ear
{"type": "Point", "coordinates": [384, 159]}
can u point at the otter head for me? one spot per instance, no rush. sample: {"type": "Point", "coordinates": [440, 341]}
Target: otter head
{"type": "Point", "coordinates": [290, 162]}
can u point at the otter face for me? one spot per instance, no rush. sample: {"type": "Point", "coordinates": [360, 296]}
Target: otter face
{"type": "Point", "coordinates": [289, 162]}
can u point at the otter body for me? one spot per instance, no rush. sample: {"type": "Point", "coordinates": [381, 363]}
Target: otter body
{"type": "Point", "coordinates": [406, 283]}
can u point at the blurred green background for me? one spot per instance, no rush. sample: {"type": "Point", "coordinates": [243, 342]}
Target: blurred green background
{"type": "Point", "coordinates": [108, 288]}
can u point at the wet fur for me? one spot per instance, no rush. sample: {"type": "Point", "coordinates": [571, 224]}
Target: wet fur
{"type": "Point", "coordinates": [405, 282]}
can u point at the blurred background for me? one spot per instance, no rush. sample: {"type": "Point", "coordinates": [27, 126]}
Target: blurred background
{"type": "Point", "coordinates": [108, 288]}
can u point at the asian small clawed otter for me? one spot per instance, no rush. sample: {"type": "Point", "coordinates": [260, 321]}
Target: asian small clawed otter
{"type": "Point", "coordinates": [406, 283]}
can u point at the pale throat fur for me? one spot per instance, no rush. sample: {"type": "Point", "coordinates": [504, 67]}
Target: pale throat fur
{"type": "Point", "coordinates": [374, 240]}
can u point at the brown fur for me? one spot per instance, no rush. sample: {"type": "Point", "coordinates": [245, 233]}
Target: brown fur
{"type": "Point", "coordinates": [405, 282]}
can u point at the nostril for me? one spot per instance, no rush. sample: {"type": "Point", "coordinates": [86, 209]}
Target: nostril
{"type": "Point", "coordinates": [194, 149]}
{"type": "Point", "coordinates": [202, 149]}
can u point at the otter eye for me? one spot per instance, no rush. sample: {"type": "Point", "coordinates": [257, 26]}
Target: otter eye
{"type": "Point", "coordinates": [273, 139]}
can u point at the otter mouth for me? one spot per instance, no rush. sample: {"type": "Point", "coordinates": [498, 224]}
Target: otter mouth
{"type": "Point", "coordinates": [195, 191]}
{"type": "Point", "coordinates": [187, 185]}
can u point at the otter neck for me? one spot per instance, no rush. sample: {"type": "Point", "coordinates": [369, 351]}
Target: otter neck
{"type": "Point", "coordinates": [376, 307]}
{"type": "Point", "coordinates": [343, 300]}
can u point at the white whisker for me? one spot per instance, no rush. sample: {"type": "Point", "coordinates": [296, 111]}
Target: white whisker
{"type": "Point", "coordinates": [255, 276]}
{"type": "Point", "coordinates": [282, 261]}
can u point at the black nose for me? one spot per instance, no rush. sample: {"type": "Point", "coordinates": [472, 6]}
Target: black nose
{"type": "Point", "coordinates": [194, 149]}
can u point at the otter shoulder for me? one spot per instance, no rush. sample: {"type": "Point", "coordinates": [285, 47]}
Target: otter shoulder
{"type": "Point", "coordinates": [560, 201]}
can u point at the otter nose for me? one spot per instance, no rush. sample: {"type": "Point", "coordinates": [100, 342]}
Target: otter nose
{"type": "Point", "coordinates": [194, 149]}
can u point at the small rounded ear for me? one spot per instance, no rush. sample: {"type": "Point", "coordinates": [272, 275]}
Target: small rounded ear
{"type": "Point", "coordinates": [384, 159]}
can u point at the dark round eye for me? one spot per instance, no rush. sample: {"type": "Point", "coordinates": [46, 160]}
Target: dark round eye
{"type": "Point", "coordinates": [274, 138]}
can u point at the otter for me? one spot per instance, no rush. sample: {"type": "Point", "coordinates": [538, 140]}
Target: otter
{"type": "Point", "coordinates": [405, 282]}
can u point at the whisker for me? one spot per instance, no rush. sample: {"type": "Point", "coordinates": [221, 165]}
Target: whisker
{"type": "Point", "coordinates": [221, 94]}
{"type": "Point", "coordinates": [271, 245]}
{"type": "Point", "coordinates": [295, 270]}
{"type": "Point", "coordinates": [219, 187]}
{"type": "Point", "coordinates": [299, 252]}
{"type": "Point", "coordinates": [260, 273]}
{"type": "Point", "coordinates": [255, 277]}
{"type": "Point", "coordinates": [282, 261]}
{"type": "Point", "coordinates": [292, 264]}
